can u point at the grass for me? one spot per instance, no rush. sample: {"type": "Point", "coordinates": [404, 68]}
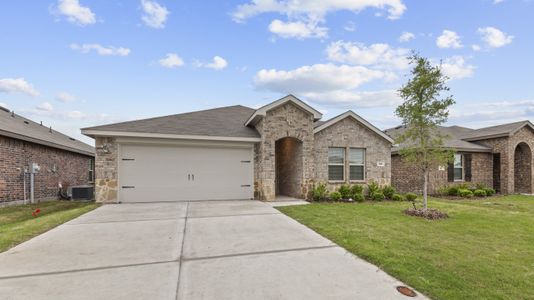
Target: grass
{"type": "Point", "coordinates": [18, 225]}
{"type": "Point", "coordinates": [485, 250]}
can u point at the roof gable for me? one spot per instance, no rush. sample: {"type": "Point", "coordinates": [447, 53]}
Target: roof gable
{"type": "Point", "coordinates": [351, 114]}
{"type": "Point", "coordinates": [261, 112]}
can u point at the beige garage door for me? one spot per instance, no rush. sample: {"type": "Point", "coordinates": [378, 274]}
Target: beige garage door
{"type": "Point", "coordinates": [149, 173]}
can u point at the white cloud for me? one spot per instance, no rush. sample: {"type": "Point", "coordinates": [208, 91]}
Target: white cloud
{"type": "Point", "coordinates": [101, 50]}
{"type": "Point", "coordinates": [45, 106]}
{"type": "Point", "coordinates": [65, 97]}
{"type": "Point", "coordinates": [315, 9]}
{"type": "Point", "coordinates": [171, 60]}
{"type": "Point", "coordinates": [218, 63]}
{"type": "Point", "coordinates": [75, 12]}
{"type": "Point", "coordinates": [379, 55]}
{"type": "Point", "coordinates": [350, 99]}
{"type": "Point", "coordinates": [476, 47]}
{"type": "Point", "coordinates": [155, 15]}
{"type": "Point", "coordinates": [13, 85]}
{"type": "Point", "coordinates": [350, 27]}
{"type": "Point", "coordinates": [328, 84]}
{"type": "Point", "coordinates": [316, 78]}
{"type": "Point", "coordinates": [304, 16]}
{"type": "Point", "coordinates": [406, 37]}
{"type": "Point", "coordinates": [449, 39]}
{"type": "Point", "coordinates": [495, 38]}
{"type": "Point", "coordinates": [299, 29]}
{"type": "Point", "coordinates": [456, 68]}
{"type": "Point", "coordinates": [497, 1]}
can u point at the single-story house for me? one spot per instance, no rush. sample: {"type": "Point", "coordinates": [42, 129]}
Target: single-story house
{"type": "Point", "coordinates": [61, 159]}
{"type": "Point", "coordinates": [237, 152]}
{"type": "Point", "coordinates": [497, 156]}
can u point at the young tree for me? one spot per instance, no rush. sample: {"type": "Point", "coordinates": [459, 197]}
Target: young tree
{"type": "Point", "coordinates": [422, 111]}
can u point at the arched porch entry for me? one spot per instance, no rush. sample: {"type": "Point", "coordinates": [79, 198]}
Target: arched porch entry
{"type": "Point", "coordinates": [522, 169]}
{"type": "Point", "coordinates": [288, 167]}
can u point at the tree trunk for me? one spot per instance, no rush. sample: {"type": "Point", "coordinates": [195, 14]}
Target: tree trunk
{"type": "Point", "coordinates": [425, 190]}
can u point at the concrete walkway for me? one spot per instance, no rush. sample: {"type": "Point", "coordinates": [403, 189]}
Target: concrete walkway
{"type": "Point", "coordinates": [197, 250]}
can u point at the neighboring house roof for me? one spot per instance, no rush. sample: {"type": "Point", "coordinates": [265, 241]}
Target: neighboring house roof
{"type": "Point", "coordinates": [496, 131]}
{"type": "Point", "coordinates": [225, 123]}
{"type": "Point", "coordinates": [351, 114]}
{"type": "Point", "coordinates": [18, 127]}
{"type": "Point", "coordinates": [453, 140]}
{"type": "Point", "coordinates": [260, 112]}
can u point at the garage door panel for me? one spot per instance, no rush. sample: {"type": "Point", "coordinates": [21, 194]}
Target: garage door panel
{"type": "Point", "coordinates": [178, 173]}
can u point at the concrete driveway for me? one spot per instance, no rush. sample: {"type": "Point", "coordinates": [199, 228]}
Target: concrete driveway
{"type": "Point", "coordinates": [196, 250]}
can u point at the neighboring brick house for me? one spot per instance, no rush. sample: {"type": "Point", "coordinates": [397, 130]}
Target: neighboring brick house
{"type": "Point", "coordinates": [61, 158]}
{"type": "Point", "coordinates": [497, 156]}
{"type": "Point", "coordinates": [236, 152]}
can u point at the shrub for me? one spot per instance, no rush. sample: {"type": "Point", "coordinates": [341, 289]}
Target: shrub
{"type": "Point", "coordinates": [372, 187]}
{"type": "Point", "coordinates": [335, 196]}
{"type": "Point", "coordinates": [443, 191]}
{"type": "Point", "coordinates": [489, 191]}
{"type": "Point", "coordinates": [358, 197]}
{"type": "Point", "coordinates": [344, 190]}
{"type": "Point", "coordinates": [411, 196]}
{"type": "Point", "coordinates": [463, 186]}
{"type": "Point", "coordinates": [465, 193]}
{"type": "Point", "coordinates": [356, 189]}
{"type": "Point", "coordinates": [320, 193]}
{"type": "Point", "coordinates": [398, 197]}
{"type": "Point", "coordinates": [453, 191]}
{"type": "Point", "coordinates": [388, 191]}
{"type": "Point", "coordinates": [479, 193]}
{"type": "Point", "coordinates": [378, 196]}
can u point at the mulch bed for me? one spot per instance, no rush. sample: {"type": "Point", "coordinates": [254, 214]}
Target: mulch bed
{"type": "Point", "coordinates": [429, 213]}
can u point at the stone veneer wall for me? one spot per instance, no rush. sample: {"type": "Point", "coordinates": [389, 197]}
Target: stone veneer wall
{"type": "Point", "coordinates": [106, 164]}
{"type": "Point", "coordinates": [286, 120]}
{"type": "Point", "coordinates": [57, 166]}
{"type": "Point", "coordinates": [349, 133]}
{"type": "Point", "coordinates": [407, 178]}
{"type": "Point", "coordinates": [524, 135]}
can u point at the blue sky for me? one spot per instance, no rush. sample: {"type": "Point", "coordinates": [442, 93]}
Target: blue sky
{"type": "Point", "coordinates": [78, 63]}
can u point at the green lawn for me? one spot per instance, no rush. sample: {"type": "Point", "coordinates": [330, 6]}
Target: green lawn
{"type": "Point", "coordinates": [485, 250]}
{"type": "Point", "coordinates": [18, 225]}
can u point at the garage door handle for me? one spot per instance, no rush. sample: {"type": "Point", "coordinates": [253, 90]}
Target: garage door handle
{"type": "Point", "coordinates": [128, 187]}
{"type": "Point", "coordinates": [245, 185]}
{"type": "Point", "coordinates": [193, 176]}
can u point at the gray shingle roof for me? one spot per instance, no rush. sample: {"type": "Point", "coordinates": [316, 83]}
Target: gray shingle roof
{"type": "Point", "coordinates": [225, 122]}
{"type": "Point", "coordinates": [495, 131]}
{"type": "Point", "coordinates": [453, 141]}
{"type": "Point", "coordinates": [16, 126]}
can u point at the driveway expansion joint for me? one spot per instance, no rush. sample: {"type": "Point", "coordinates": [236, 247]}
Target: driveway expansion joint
{"type": "Point", "coordinates": [87, 270]}
{"type": "Point", "coordinates": [180, 258]}
{"type": "Point", "coordinates": [127, 221]}
{"type": "Point", "coordinates": [186, 259]}
{"type": "Point", "coordinates": [238, 215]}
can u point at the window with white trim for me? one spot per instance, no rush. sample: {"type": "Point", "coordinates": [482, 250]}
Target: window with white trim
{"type": "Point", "coordinates": [458, 167]}
{"type": "Point", "coordinates": [336, 164]}
{"type": "Point", "coordinates": [356, 164]}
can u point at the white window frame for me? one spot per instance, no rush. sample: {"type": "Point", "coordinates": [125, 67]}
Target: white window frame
{"type": "Point", "coordinates": [337, 164]}
{"type": "Point", "coordinates": [461, 168]}
{"type": "Point", "coordinates": [354, 164]}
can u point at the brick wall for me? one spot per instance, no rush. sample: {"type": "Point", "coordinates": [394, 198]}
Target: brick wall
{"type": "Point", "coordinates": [56, 166]}
{"type": "Point", "coordinates": [407, 178]}
{"type": "Point", "coordinates": [349, 133]}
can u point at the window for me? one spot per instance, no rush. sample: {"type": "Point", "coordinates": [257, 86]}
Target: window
{"type": "Point", "coordinates": [356, 164]}
{"type": "Point", "coordinates": [91, 177]}
{"type": "Point", "coordinates": [458, 167]}
{"type": "Point", "coordinates": [336, 164]}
